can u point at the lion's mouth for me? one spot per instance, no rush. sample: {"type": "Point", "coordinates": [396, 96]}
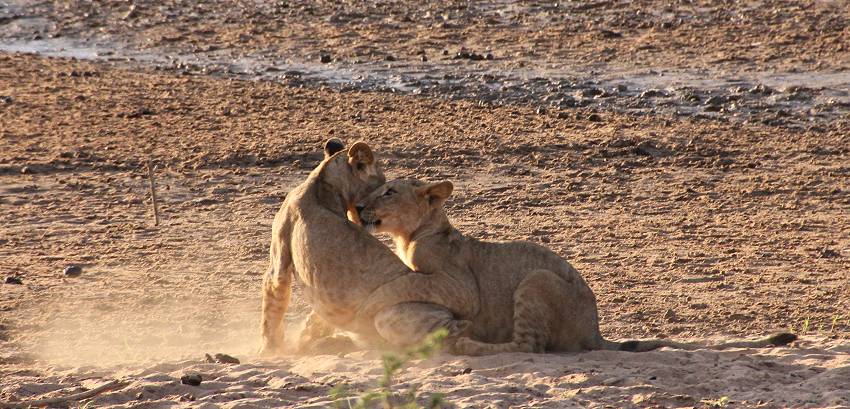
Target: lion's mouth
{"type": "Point", "coordinates": [372, 225]}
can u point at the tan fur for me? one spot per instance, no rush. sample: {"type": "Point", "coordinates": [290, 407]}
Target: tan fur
{"type": "Point", "coordinates": [354, 282]}
{"type": "Point", "coordinates": [531, 299]}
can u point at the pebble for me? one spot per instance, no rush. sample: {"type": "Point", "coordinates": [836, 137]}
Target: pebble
{"type": "Point", "coordinates": [465, 55]}
{"type": "Point", "coordinates": [715, 100]}
{"type": "Point", "coordinates": [594, 118]}
{"type": "Point", "coordinates": [591, 92]}
{"type": "Point", "coordinates": [72, 271]}
{"type": "Point", "coordinates": [761, 89]}
{"type": "Point", "coordinates": [13, 280]}
{"type": "Point", "coordinates": [193, 379]}
{"type": "Point", "coordinates": [325, 58]}
{"type": "Point", "coordinates": [225, 359]}
{"type": "Point", "coordinates": [652, 93]}
{"type": "Point", "coordinates": [221, 359]}
{"type": "Point", "coordinates": [6, 99]}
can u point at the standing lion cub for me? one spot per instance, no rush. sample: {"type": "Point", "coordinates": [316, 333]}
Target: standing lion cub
{"type": "Point", "coordinates": [353, 281]}
{"type": "Point", "coordinates": [531, 300]}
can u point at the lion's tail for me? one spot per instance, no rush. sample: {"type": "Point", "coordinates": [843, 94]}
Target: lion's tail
{"type": "Point", "coordinates": [778, 339]}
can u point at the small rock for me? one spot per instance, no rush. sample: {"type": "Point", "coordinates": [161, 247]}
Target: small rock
{"type": "Point", "coordinates": [594, 118]}
{"type": "Point", "coordinates": [390, 58]}
{"type": "Point", "coordinates": [824, 253]}
{"type": "Point", "coordinates": [423, 58]}
{"type": "Point", "coordinates": [225, 359]}
{"type": "Point", "coordinates": [651, 93]}
{"type": "Point", "coordinates": [591, 92]}
{"type": "Point", "coordinates": [325, 58]}
{"type": "Point", "coordinates": [72, 271]}
{"type": "Point", "coordinates": [671, 316]}
{"type": "Point", "coordinates": [26, 170]}
{"type": "Point", "coordinates": [6, 99]}
{"type": "Point", "coordinates": [489, 57]}
{"type": "Point", "coordinates": [568, 102]}
{"type": "Point", "coordinates": [13, 280]}
{"type": "Point", "coordinates": [130, 13]}
{"type": "Point", "coordinates": [541, 111]}
{"type": "Point", "coordinates": [761, 89]}
{"type": "Point", "coordinates": [610, 34]}
{"type": "Point", "coordinates": [194, 379]}
{"type": "Point", "coordinates": [715, 101]}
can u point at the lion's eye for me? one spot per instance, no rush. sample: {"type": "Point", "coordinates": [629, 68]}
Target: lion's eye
{"type": "Point", "coordinates": [389, 192]}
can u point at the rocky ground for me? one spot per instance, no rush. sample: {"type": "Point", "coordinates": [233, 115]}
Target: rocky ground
{"type": "Point", "coordinates": [688, 221]}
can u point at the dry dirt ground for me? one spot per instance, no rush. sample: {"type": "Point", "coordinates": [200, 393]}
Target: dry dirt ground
{"type": "Point", "coordinates": [685, 227]}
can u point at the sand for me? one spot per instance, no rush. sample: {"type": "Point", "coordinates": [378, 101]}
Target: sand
{"type": "Point", "coordinates": [685, 227]}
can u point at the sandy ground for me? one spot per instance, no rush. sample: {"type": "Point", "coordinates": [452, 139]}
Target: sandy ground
{"type": "Point", "coordinates": [685, 227]}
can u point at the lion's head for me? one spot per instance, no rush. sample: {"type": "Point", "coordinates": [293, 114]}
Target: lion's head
{"type": "Point", "coordinates": [354, 172]}
{"type": "Point", "coordinates": [401, 206]}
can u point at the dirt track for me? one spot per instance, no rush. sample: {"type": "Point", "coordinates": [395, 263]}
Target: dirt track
{"type": "Point", "coordinates": [684, 227]}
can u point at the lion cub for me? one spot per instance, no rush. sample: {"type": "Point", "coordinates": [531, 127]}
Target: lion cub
{"type": "Point", "coordinates": [531, 300]}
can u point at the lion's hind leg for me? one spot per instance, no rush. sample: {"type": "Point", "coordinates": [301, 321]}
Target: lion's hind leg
{"type": "Point", "coordinates": [550, 313]}
{"type": "Point", "coordinates": [407, 324]}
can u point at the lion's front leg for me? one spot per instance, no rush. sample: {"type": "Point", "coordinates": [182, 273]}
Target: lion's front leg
{"type": "Point", "coordinates": [277, 290]}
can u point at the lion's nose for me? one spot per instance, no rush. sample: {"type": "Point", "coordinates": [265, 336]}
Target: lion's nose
{"type": "Point", "coordinates": [359, 208]}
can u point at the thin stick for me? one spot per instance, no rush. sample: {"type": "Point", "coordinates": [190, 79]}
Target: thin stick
{"type": "Point", "coordinates": [70, 398]}
{"type": "Point", "coordinates": [153, 194]}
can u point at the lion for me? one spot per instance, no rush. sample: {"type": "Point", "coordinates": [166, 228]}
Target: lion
{"type": "Point", "coordinates": [353, 281]}
{"type": "Point", "coordinates": [531, 299]}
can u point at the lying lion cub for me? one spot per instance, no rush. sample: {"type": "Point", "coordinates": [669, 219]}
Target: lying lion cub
{"type": "Point", "coordinates": [354, 282]}
{"type": "Point", "coordinates": [531, 299]}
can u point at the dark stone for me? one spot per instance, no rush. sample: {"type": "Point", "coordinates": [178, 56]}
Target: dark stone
{"type": "Point", "coordinates": [325, 58]}
{"type": "Point", "coordinates": [715, 100]}
{"type": "Point", "coordinates": [423, 58]}
{"type": "Point", "coordinates": [6, 99]}
{"type": "Point", "coordinates": [225, 359]}
{"type": "Point", "coordinates": [594, 118]}
{"type": "Point", "coordinates": [824, 253]}
{"type": "Point", "coordinates": [489, 57]}
{"type": "Point", "coordinates": [761, 89]}
{"type": "Point", "coordinates": [390, 58]}
{"type": "Point", "coordinates": [13, 280]}
{"type": "Point", "coordinates": [652, 93]}
{"type": "Point", "coordinates": [591, 92]}
{"type": "Point", "coordinates": [610, 34]}
{"type": "Point", "coordinates": [194, 379]}
{"type": "Point", "coordinates": [72, 271]}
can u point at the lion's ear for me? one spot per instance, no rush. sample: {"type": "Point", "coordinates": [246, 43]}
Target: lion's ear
{"type": "Point", "coordinates": [333, 146]}
{"type": "Point", "coordinates": [360, 155]}
{"type": "Point", "coordinates": [438, 192]}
